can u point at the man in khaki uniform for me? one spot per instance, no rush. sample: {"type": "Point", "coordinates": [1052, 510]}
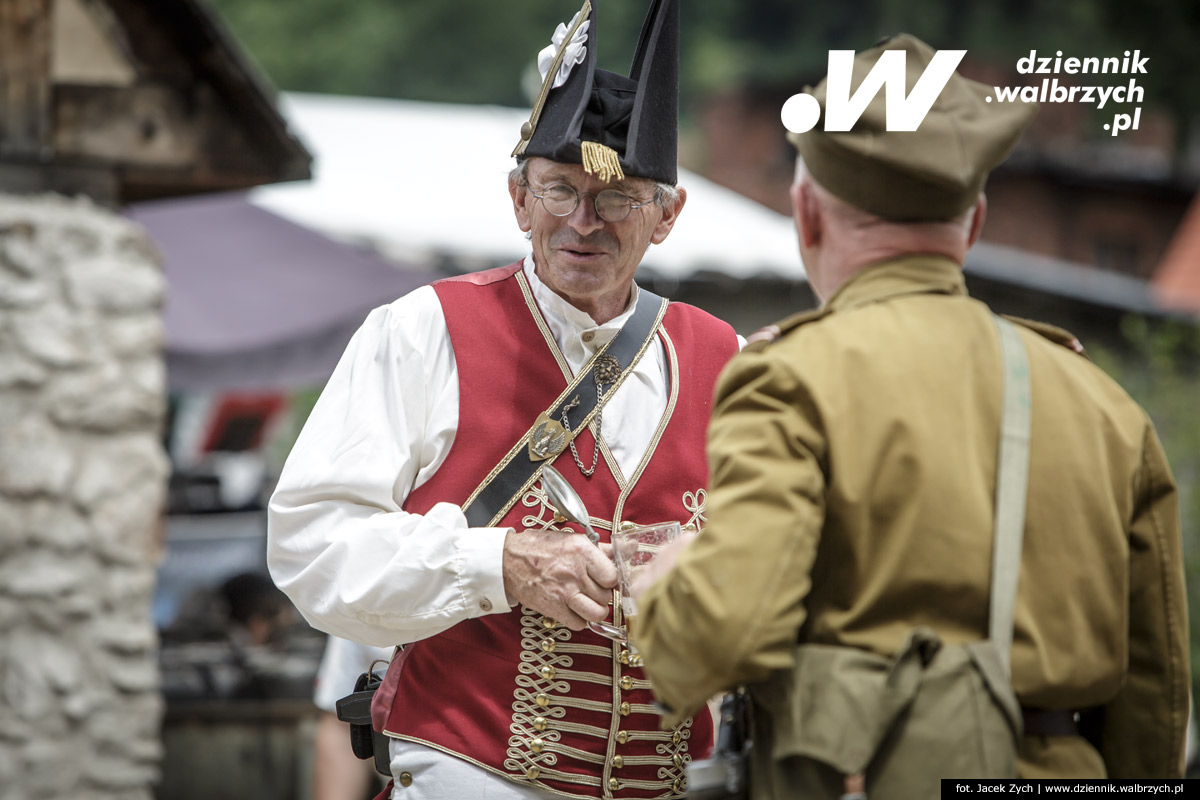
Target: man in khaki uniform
{"type": "Point", "coordinates": [853, 453]}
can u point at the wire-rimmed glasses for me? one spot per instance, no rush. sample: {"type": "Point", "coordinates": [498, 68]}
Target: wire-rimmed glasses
{"type": "Point", "coordinates": [612, 205]}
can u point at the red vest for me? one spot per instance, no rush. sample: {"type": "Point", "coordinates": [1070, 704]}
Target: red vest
{"type": "Point", "coordinates": [516, 693]}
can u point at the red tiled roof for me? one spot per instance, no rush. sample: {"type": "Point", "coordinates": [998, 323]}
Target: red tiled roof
{"type": "Point", "coordinates": [1177, 279]}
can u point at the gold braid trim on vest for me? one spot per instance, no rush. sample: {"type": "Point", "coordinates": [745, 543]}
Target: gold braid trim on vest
{"type": "Point", "coordinates": [543, 694]}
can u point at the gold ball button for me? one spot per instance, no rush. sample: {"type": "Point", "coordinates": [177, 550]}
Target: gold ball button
{"type": "Point", "coordinates": [543, 700]}
{"type": "Point", "coordinates": [547, 645]}
{"type": "Point", "coordinates": [625, 709]}
{"type": "Point", "coordinates": [537, 745]}
{"type": "Point", "coordinates": [627, 525]}
{"type": "Point", "coordinates": [622, 737]}
{"type": "Point", "coordinates": [549, 624]}
{"type": "Point", "coordinates": [677, 760]}
{"type": "Point", "coordinates": [624, 657]}
{"type": "Point", "coordinates": [539, 723]}
{"type": "Point", "coordinates": [532, 773]}
{"type": "Point", "coordinates": [618, 762]}
{"type": "Point", "coordinates": [676, 737]}
{"type": "Point", "coordinates": [526, 130]}
{"type": "Point", "coordinates": [613, 784]}
{"type": "Point", "coordinates": [406, 779]}
{"type": "Point", "coordinates": [549, 672]}
{"type": "Point", "coordinates": [677, 786]}
{"type": "Point", "coordinates": [626, 683]}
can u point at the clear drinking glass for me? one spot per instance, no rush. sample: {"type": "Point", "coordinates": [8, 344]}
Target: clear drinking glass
{"type": "Point", "coordinates": [633, 549]}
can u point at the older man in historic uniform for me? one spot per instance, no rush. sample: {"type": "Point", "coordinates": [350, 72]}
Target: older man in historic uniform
{"type": "Point", "coordinates": [854, 455]}
{"type": "Point", "coordinates": [410, 510]}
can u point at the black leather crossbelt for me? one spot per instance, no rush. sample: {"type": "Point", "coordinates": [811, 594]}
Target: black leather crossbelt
{"type": "Point", "coordinates": [518, 469]}
{"type": "Point", "coordinates": [1050, 722]}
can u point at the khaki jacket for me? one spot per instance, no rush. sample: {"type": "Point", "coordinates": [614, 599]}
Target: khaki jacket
{"type": "Point", "coordinates": [853, 466]}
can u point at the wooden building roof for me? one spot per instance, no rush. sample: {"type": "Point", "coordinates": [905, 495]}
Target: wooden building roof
{"type": "Point", "coordinates": [128, 100]}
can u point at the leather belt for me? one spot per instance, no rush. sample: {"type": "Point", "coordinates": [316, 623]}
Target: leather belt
{"type": "Point", "coordinates": [1050, 722]}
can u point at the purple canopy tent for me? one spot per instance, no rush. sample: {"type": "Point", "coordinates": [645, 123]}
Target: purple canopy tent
{"type": "Point", "coordinates": [255, 301]}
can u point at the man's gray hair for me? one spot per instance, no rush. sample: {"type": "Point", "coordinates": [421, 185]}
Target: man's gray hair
{"type": "Point", "coordinates": [664, 193]}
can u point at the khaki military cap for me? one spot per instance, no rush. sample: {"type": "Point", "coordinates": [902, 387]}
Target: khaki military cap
{"type": "Point", "coordinates": [932, 173]}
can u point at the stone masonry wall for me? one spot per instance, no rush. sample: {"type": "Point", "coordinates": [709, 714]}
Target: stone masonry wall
{"type": "Point", "coordinates": [82, 482]}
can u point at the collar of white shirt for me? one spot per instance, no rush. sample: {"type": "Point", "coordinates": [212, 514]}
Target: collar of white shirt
{"type": "Point", "coordinates": [577, 334]}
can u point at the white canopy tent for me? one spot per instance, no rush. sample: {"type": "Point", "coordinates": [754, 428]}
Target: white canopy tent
{"type": "Point", "coordinates": [427, 182]}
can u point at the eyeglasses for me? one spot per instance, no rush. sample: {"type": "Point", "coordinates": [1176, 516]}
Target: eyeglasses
{"type": "Point", "coordinates": [611, 205]}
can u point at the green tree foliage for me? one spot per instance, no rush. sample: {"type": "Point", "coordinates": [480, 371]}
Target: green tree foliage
{"type": "Point", "coordinates": [1166, 30]}
{"type": "Point", "coordinates": [462, 51]}
{"type": "Point", "coordinates": [1162, 372]}
{"type": "Point", "coordinates": [477, 50]}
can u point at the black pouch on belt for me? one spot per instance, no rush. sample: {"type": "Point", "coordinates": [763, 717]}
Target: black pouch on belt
{"type": "Point", "coordinates": [355, 709]}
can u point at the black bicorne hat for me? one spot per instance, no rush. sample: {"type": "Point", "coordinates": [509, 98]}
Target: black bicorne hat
{"type": "Point", "coordinates": [611, 124]}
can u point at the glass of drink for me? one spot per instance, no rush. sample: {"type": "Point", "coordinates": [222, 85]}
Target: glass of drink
{"type": "Point", "coordinates": [633, 549]}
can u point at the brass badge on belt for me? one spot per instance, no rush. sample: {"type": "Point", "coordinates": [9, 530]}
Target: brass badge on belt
{"type": "Point", "coordinates": [548, 439]}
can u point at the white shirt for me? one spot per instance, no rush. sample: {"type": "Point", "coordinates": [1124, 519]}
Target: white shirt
{"type": "Point", "coordinates": [354, 563]}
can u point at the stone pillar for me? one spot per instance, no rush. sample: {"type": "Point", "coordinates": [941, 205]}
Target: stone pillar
{"type": "Point", "coordinates": [82, 486]}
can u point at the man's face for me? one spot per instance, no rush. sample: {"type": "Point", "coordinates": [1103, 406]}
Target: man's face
{"type": "Point", "coordinates": [586, 260]}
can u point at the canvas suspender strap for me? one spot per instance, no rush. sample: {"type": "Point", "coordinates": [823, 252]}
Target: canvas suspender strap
{"type": "Point", "coordinates": [521, 466]}
{"type": "Point", "coordinates": [1012, 477]}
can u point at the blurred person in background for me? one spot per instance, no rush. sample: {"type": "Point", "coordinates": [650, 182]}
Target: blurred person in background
{"type": "Point", "coordinates": [260, 611]}
{"type": "Point", "coordinates": [338, 774]}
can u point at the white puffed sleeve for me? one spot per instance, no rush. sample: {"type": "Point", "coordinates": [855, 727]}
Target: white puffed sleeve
{"type": "Point", "coordinates": [338, 543]}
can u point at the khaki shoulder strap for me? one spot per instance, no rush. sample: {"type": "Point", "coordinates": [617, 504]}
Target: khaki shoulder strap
{"type": "Point", "coordinates": [1012, 479]}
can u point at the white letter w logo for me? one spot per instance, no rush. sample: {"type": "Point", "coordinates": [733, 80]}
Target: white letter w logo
{"type": "Point", "coordinates": [801, 112]}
